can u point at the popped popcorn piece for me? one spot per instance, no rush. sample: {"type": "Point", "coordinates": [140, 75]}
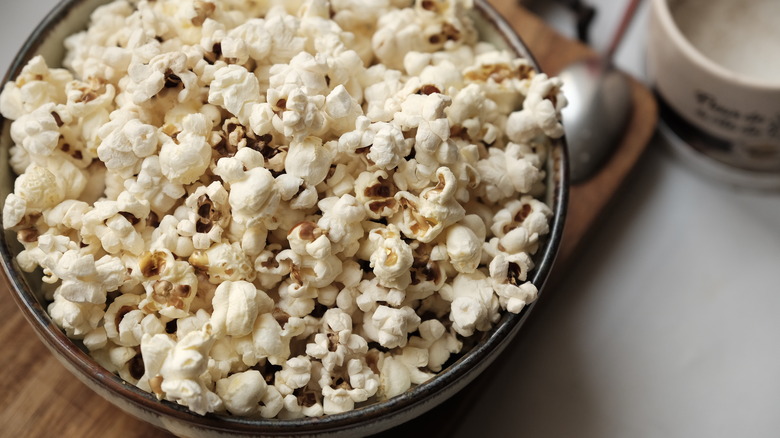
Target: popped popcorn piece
{"type": "Point", "coordinates": [376, 192]}
{"type": "Point", "coordinates": [541, 111]}
{"type": "Point", "coordinates": [37, 132]}
{"type": "Point", "coordinates": [35, 87]}
{"type": "Point", "coordinates": [170, 284]}
{"type": "Point", "coordinates": [474, 305]}
{"type": "Point", "coordinates": [223, 262]}
{"type": "Point", "coordinates": [390, 326]}
{"type": "Point", "coordinates": [309, 160]}
{"type": "Point", "coordinates": [429, 270]}
{"type": "Point", "coordinates": [392, 258]}
{"type": "Point", "coordinates": [241, 392]}
{"type": "Point", "coordinates": [270, 340]}
{"type": "Point", "coordinates": [253, 193]}
{"type": "Point", "coordinates": [165, 70]}
{"type": "Point", "coordinates": [152, 185]}
{"type": "Point", "coordinates": [236, 306]}
{"type": "Point", "coordinates": [424, 217]}
{"type": "Point", "coordinates": [520, 223]}
{"type": "Point", "coordinates": [438, 341]}
{"type": "Point", "coordinates": [271, 403]}
{"type": "Point", "coordinates": [337, 344]}
{"type": "Point", "coordinates": [185, 159]}
{"type": "Point", "coordinates": [464, 248]}
{"type": "Point", "coordinates": [427, 114]}
{"type": "Point", "coordinates": [125, 142]}
{"type": "Point", "coordinates": [77, 319]}
{"type": "Point", "coordinates": [395, 378]}
{"type": "Point", "coordinates": [181, 372]}
{"type": "Point", "coordinates": [111, 222]}
{"type": "Point", "coordinates": [361, 384]}
{"type": "Point", "coordinates": [234, 88]}
{"type": "Point", "coordinates": [340, 219]}
{"type": "Point", "coordinates": [154, 350]}
{"type": "Point", "coordinates": [96, 339]}
{"type": "Point", "coordinates": [38, 187]}
{"type": "Point", "coordinates": [13, 210]}
{"type": "Point", "coordinates": [115, 315]}
{"type": "Point", "coordinates": [84, 279]}
{"type": "Point", "coordinates": [508, 274]}
{"type": "Point", "coordinates": [294, 374]}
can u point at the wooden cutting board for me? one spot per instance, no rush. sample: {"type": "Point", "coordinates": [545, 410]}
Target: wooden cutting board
{"type": "Point", "coordinates": [39, 398]}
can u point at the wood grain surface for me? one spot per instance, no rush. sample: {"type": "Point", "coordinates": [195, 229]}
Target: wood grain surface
{"type": "Point", "coordinates": [39, 398]}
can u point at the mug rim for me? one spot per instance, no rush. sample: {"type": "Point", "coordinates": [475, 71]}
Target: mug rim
{"type": "Point", "coordinates": [669, 24]}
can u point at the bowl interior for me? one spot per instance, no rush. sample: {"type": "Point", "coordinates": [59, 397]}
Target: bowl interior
{"type": "Point", "coordinates": [71, 16]}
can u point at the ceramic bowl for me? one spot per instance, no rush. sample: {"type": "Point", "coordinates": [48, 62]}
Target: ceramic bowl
{"type": "Point", "coordinates": [71, 16]}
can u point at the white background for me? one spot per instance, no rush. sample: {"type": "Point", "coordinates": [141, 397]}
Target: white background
{"type": "Point", "coordinates": [667, 324]}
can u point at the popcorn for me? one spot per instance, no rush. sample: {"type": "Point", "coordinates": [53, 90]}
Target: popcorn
{"type": "Point", "coordinates": [77, 319]}
{"type": "Point", "coordinates": [280, 209]}
{"type": "Point", "coordinates": [474, 304]}
{"type": "Point", "coordinates": [181, 372]}
{"type": "Point", "coordinates": [270, 340]}
{"type": "Point", "coordinates": [125, 143]}
{"type": "Point", "coordinates": [424, 217]}
{"type": "Point", "coordinates": [37, 132]}
{"type": "Point", "coordinates": [361, 384]}
{"type": "Point", "coordinates": [185, 159]}
{"type": "Point", "coordinates": [438, 342]}
{"type": "Point", "coordinates": [464, 248]}
{"type": "Point", "coordinates": [223, 262]}
{"type": "Point", "coordinates": [166, 70]}
{"type": "Point", "coordinates": [309, 160]}
{"type": "Point", "coordinates": [395, 378]}
{"type": "Point", "coordinates": [295, 374]}
{"type": "Point", "coordinates": [390, 326]}
{"type": "Point", "coordinates": [340, 218]}
{"type": "Point", "coordinates": [341, 110]}
{"type": "Point", "coordinates": [126, 324]}
{"type": "Point", "coordinates": [233, 88]}
{"type": "Point", "coordinates": [376, 192]}
{"type": "Point", "coordinates": [508, 274]}
{"type": "Point", "coordinates": [39, 188]}
{"type": "Point", "coordinates": [170, 284]}
{"type": "Point", "coordinates": [249, 40]}
{"type": "Point", "coordinates": [35, 87]}
{"type": "Point", "coordinates": [391, 259]}
{"type": "Point", "coordinates": [86, 280]}
{"type": "Point", "coordinates": [371, 293]}
{"type": "Point", "coordinates": [13, 210]}
{"type": "Point", "coordinates": [338, 343]}
{"type": "Point", "coordinates": [253, 194]}
{"type": "Point", "coordinates": [426, 113]}
{"type": "Point", "coordinates": [112, 223]}
{"type": "Point", "coordinates": [152, 185]}
{"type": "Point", "coordinates": [520, 223]}
{"type": "Point", "coordinates": [539, 115]}
{"type": "Point", "coordinates": [236, 306]}
{"type": "Point", "coordinates": [242, 392]}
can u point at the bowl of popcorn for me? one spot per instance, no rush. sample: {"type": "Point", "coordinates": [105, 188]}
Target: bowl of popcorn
{"type": "Point", "coordinates": [236, 217]}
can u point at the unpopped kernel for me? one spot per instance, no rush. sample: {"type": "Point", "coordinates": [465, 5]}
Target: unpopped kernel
{"type": "Point", "coordinates": [280, 208]}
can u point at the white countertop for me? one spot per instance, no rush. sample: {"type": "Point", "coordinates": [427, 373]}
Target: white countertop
{"type": "Point", "coordinates": [667, 326]}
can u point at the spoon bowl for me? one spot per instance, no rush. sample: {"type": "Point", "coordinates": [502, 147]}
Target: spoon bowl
{"type": "Point", "coordinates": [599, 107]}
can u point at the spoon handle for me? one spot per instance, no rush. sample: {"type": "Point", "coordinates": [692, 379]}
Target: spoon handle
{"type": "Point", "coordinates": [628, 15]}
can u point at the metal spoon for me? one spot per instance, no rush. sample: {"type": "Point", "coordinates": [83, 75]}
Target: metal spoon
{"type": "Point", "coordinates": [599, 108]}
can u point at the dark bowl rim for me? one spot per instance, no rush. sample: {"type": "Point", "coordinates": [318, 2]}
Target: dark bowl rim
{"type": "Point", "coordinates": [493, 341]}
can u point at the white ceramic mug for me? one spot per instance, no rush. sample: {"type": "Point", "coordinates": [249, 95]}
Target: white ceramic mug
{"type": "Point", "coordinates": [716, 65]}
